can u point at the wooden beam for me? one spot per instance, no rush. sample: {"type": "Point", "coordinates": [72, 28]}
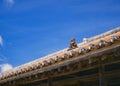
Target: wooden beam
{"type": "Point", "coordinates": [49, 81]}
{"type": "Point", "coordinates": [101, 73]}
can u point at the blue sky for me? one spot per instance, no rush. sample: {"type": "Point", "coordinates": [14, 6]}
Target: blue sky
{"type": "Point", "coordinates": [31, 29]}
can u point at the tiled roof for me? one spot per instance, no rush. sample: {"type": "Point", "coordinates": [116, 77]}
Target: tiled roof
{"type": "Point", "coordinates": [97, 42]}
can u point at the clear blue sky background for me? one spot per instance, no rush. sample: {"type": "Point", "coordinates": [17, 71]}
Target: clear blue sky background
{"type": "Point", "coordinates": [34, 28]}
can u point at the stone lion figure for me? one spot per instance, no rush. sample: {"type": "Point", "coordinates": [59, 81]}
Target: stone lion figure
{"type": "Point", "coordinates": [73, 44]}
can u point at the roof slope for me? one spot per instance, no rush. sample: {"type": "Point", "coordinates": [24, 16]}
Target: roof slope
{"type": "Point", "coordinates": [92, 44]}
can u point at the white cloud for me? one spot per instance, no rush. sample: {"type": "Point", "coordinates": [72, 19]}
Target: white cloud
{"type": "Point", "coordinates": [1, 41]}
{"type": "Point", "coordinates": [9, 2]}
{"type": "Point", "coordinates": [5, 67]}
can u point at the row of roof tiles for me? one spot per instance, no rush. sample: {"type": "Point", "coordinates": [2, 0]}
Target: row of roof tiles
{"type": "Point", "coordinates": [81, 50]}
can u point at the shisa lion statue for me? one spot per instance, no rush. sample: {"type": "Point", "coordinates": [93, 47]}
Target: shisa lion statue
{"type": "Point", "coordinates": [73, 44]}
